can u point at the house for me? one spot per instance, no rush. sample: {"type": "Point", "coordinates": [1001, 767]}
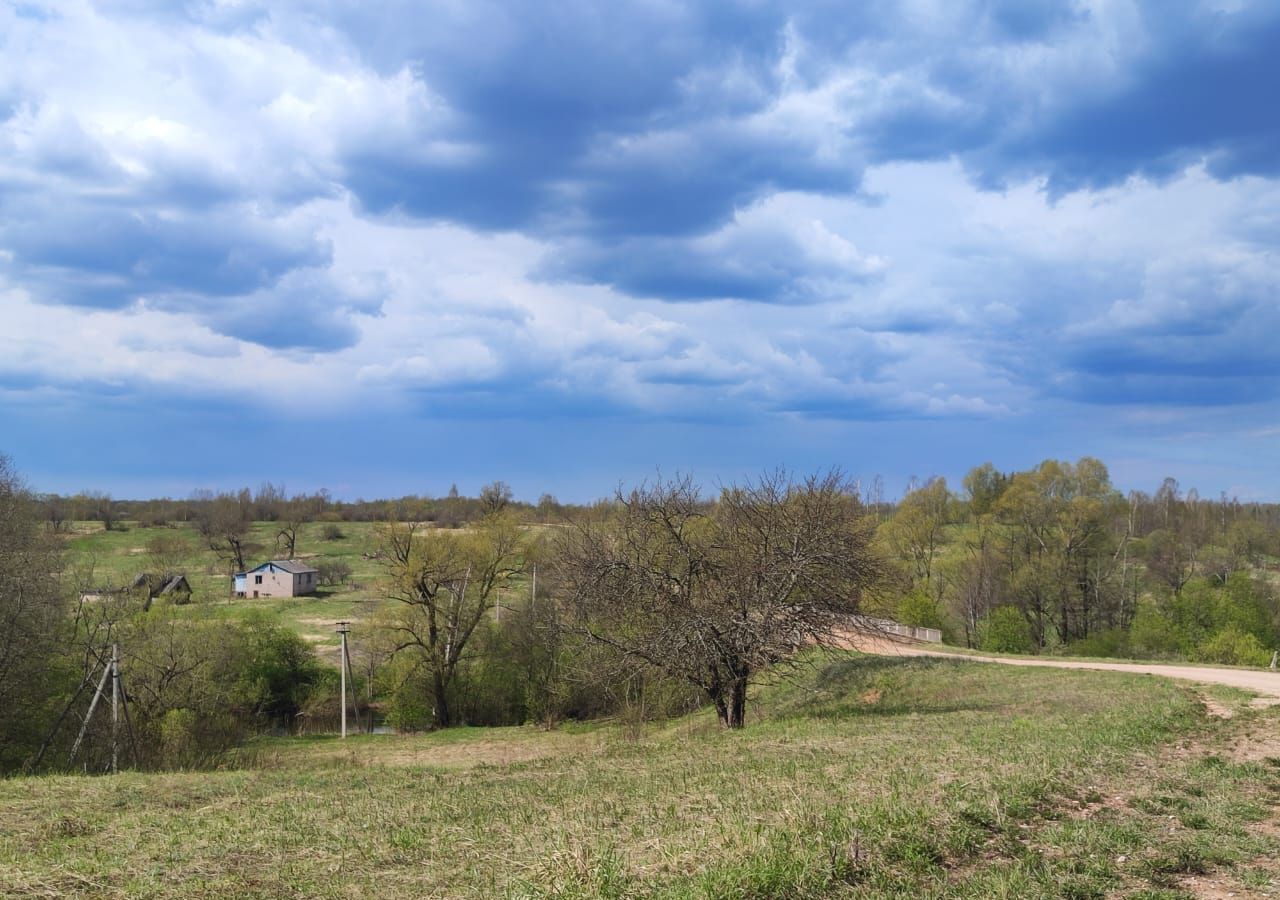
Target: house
{"type": "Point", "coordinates": [276, 578]}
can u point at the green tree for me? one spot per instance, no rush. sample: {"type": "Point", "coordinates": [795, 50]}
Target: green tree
{"type": "Point", "coordinates": [1006, 631]}
{"type": "Point", "coordinates": [445, 583]}
{"type": "Point", "coordinates": [916, 530]}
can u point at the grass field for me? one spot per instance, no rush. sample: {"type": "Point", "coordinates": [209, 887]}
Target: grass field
{"type": "Point", "coordinates": [115, 557]}
{"type": "Point", "coordinates": [864, 777]}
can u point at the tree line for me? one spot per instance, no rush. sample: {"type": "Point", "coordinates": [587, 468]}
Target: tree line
{"type": "Point", "coordinates": [273, 503]}
{"type": "Point", "coordinates": [656, 601]}
{"type": "Point", "coordinates": [1055, 558]}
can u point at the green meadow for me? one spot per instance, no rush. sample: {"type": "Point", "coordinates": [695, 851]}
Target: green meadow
{"type": "Point", "coordinates": [859, 777]}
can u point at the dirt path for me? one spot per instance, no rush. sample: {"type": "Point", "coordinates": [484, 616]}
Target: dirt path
{"type": "Point", "coordinates": [1264, 682]}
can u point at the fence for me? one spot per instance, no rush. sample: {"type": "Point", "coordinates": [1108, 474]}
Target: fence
{"type": "Point", "coordinates": [886, 626]}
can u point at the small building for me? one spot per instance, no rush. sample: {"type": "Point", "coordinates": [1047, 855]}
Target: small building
{"type": "Point", "coordinates": [276, 578]}
{"type": "Point", "coordinates": [170, 585]}
{"type": "Point", "coordinates": [145, 587]}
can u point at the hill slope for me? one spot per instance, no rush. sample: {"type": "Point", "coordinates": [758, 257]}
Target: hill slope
{"type": "Point", "coordinates": [861, 777]}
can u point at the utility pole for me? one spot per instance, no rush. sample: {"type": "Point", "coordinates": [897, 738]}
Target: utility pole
{"type": "Point", "coordinates": [344, 628]}
{"type": "Point", "coordinates": [93, 704]}
{"type": "Point", "coordinates": [115, 708]}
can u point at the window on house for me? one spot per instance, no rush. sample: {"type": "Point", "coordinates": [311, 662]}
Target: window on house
{"type": "Point", "coordinates": [257, 579]}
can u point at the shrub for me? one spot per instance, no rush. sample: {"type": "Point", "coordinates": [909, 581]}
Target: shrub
{"type": "Point", "coordinates": [332, 532]}
{"type": "Point", "coordinates": [1153, 634]}
{"type": "Point", "coordinates": [333, 571]}
{"type": "Point", "coordinates": [1006, 631]}
{"type": "Point", "coordinates": [919, 610]}
{"type": "Point", "coordinates": [1233, 647]}
{"type": "Point", "coordinates": [1112, 643]}
{"type": "Point", "coordinates": [178, 738]}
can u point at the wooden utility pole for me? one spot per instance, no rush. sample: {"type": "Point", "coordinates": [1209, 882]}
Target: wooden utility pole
{"type": "Point", "coordinates": [115, 708]}
{"type": "Point", "coordinates": [93, 704]}
{"type": "Point", "coordinates": [344, 628]}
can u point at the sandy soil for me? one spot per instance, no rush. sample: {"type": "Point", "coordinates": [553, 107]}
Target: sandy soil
{"type": "Point", "coordinates": [1260, 681]}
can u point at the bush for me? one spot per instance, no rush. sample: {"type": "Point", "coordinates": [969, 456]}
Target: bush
{"type": "Point", "coordinates": [1006, 631]}
{"type": "Point", "coordinates": [1233, 647]}
{"type": "Point", "coordinates": [332, 533]}
{"type": "Point", "coordinates": [333, 572]}
{"type": "Point", "coordinates": [1153, 634]}
{"type": "Point", "coordinates": [919, 610]}
{"type": "Point", "coordinates": [280, 672]}
{"type": "Point", "coordinates": [1111, 643]}
{"type": "Point", "coordinates": [178, 745]}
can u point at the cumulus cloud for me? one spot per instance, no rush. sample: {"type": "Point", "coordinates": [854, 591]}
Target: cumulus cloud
{"type": "Point", "coordinates": [771, 212]}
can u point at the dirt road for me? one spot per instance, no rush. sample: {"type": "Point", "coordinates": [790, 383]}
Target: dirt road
{"type": "Point", "coordinates": [1260, 681]}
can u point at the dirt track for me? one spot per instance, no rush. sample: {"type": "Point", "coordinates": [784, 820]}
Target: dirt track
{"type": "Point", "coordinates": [1259, 681]}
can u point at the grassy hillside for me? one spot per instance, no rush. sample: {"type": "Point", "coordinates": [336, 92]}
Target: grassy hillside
{"type": "Point", "coordinates": [113, 558]}
{"type": "Point", "coordinates": [865, 777]}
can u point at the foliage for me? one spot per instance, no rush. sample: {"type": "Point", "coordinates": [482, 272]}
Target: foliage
{"type": "Point", "coordinates": [1233, 646]}
{"type": "Point", "coordinates": [921, 611]}
{"type": "Point", "coordinates": [1006, 631]}
{"type": "Point", "coordinates": [1155, 635]}
{"type": "Point", "coordinates": [445, 583]}
{"type": "Point", "coordinates": [1112, 642]}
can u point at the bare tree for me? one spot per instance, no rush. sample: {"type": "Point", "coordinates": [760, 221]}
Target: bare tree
{"type": "Point", "coordinates": [223, 523]}
{"type": "Point", "coordinates": [55, 512]}
{"type": "Point", "coordinates": [292, 515]}
{"type": "Point", "coordinates": [446, 583]}
{"type": "Point", "coordinates": [102, 507]}
{"type": "Point", "coordinates": [715, 593]}
{"type": "Point", "coordinates": [32, 618]}
{"type": "Point", "coordinates": [495, 497]}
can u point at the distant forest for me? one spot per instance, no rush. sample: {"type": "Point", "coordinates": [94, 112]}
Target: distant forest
{"type": "Point", "coordinates": [488, 611]}
{"type": "Point", "coordinates": [1051, 558]}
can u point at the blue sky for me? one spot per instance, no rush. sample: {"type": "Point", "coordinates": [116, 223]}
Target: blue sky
{"type": "Point", "coordinates": [385, 247]}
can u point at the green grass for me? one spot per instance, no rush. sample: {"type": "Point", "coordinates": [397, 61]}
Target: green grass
{"type": "Point", "coordinates": [118, 555]}
{"type": "Point", "coordinates": [115, 557]}
{"type": "Point", "coordinates": [862, 777]}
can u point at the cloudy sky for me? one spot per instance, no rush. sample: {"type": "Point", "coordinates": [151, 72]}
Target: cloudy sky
{"type": "Point", "coordinates": [383, 247]}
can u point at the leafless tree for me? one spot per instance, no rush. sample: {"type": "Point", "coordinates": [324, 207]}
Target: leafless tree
{"type": "Point", "coordinates": [715, 593]}
{"type": "Point", "coordinates": [495, 497]}
{"type": "Point", "coordinates": [102, 507]}
{"type": "Point", "coordinates": [223, 523]}
{"type": "Point", "coordinates": [168, 553]}
{"type": "Point", "coordinates": [292, 515]}
{"type": "Point", "coordinates": [32, 616]}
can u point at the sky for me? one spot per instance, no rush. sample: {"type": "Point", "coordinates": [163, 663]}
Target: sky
{"type": "Point", "coordinates": [386, 247]}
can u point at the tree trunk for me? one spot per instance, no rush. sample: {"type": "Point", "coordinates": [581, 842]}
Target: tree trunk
{"type": "Point", "coordinates": [722, 708]}
{"type": "Point", "coordinates": [440, 689]}
{"type": "Point", "coordinates": [738, 704]}
{"type": "Point", "coordinates": [730, 701]}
